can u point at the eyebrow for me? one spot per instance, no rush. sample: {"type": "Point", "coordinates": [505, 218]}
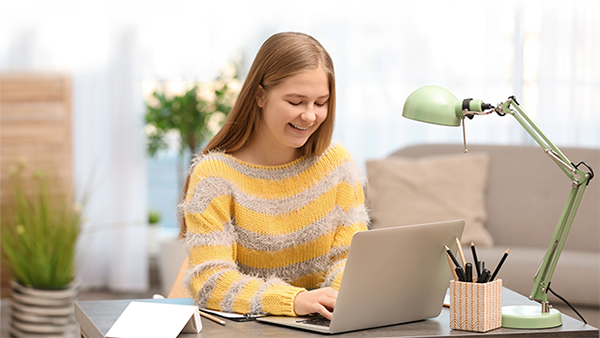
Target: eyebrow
{"type": "Point", "coordinates": [304, 96]}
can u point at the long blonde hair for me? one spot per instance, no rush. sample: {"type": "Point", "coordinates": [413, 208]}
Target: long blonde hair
{"type": "Point", "coordinates": [281, 56]}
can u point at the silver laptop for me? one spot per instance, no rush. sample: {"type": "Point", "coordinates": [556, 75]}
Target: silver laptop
{"type": "Point", "coordinates": [392, 276]}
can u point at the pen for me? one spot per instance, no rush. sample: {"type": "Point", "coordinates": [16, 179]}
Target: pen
{"type": "Point", "coordinates": [469, 272]}
{"type": "Point", "coordinates": [460, 272]}
{"type": "Point", "coordinates": [452, 256]}
{"type": "Point", "coordinates": [500, 264]}
{"type": "Point", "coordinates": [452, 268]}
{"type": "Point", "coordinates": [213, 318]}
{"type": "Point", "coordinates": [475, 260]}
{"type": "Point", "coordinates": [460, 252]}
{"type": "Point", "coordinates": [484, 277]}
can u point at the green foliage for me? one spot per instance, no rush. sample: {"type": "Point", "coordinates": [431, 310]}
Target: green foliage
{"type": "Point", "coordinates": [154, 217]}
{"type": "Point", "coordinates": [39, 231]}
{"type": "Point", "coordinates": [195, 114]}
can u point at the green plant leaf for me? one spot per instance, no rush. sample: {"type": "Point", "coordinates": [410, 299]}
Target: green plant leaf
{"type": "Point", "coordinates": [39, 232]}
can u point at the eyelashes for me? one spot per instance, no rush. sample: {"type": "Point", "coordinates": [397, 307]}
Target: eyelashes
{"type": "Point", "coordinates": [299, 103]}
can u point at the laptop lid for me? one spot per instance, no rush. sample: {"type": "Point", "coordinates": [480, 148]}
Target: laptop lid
{"type": "Point", "coordinates": [392, 275]}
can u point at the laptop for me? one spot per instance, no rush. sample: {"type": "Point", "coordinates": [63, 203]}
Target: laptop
{"type": "Point", "coordinates": [392, 276]}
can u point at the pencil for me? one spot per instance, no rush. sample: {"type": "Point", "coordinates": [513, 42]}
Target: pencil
{"type": "Point", "coordinates": [460, 252]}
{"type": "Point", "coordinates": [452, 269]}
{"type": "Point", "coordinates": [451, 256]}
{"type": "Point", "coordinates": [213, 318]}
{"type": "Point", "coordinates": [500, 264]}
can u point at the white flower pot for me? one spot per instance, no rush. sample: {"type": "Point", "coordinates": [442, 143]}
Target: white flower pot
{"type": "Point", "coordinates": [43, 312]}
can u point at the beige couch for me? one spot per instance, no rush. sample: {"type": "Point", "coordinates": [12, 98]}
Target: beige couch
{"type": "Point", "coordinates": [517, 202]}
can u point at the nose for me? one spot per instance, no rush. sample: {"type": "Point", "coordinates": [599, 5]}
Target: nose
{"type": "Point", "coordinates": [308, 115]}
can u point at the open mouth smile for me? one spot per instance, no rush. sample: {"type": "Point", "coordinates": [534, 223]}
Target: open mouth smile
{"type": "Point", "coordinates": [299, 128]}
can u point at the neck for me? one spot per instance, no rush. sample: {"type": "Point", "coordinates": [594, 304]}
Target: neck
{"type": "Point", "coordinates": [267, 154]}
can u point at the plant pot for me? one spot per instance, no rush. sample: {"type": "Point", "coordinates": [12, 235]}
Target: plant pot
{"type": "Point", "coordinates": [43, 312]}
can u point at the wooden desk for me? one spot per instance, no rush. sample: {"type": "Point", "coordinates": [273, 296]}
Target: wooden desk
{"type": "Point", "coordinates": [97, 317]}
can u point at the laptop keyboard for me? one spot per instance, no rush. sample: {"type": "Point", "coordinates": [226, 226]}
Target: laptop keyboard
{"type": "Point", "coordinates": [319, 321]}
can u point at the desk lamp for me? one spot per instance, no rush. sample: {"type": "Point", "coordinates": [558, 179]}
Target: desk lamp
{"type": "Point", "coordinates": [437, 105]}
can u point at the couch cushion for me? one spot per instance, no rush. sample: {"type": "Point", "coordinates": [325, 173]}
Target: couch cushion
{"type": "Point", "coordinates": [404, 191]}
{"type": "Point", "coordinates": [526, 193]}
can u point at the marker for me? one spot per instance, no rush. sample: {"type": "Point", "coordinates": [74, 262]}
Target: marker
{"type": "Point", "coordinates": [461, 273]}
{"type": "Point", "coordinates": [469, 272]}
{"type": "Point", "coordinates": [500, 264]}
{"type": "Point", "coordinates": [481, 265]}
{"type": "Point", "coordinates": [475, 260]}
{"type": "Point", "coordinates": [485, 276]}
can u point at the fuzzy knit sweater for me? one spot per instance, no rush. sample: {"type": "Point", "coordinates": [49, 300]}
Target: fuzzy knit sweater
{"type": "Point", "coordinates": [259, 235]}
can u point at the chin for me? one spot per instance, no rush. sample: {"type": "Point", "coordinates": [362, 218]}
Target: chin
{"type": "Point", "coordinates": [299, 145]}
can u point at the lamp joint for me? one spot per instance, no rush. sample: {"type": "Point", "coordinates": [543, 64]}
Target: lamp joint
{"type": "Point", "coordinates": [546, 307]}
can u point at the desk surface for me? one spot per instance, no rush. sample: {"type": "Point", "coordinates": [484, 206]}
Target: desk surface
{"type": "Point", "coordinates": [97, 317]}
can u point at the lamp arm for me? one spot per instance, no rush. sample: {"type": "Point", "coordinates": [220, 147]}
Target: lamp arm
{"type": "Point", "coordinates": [579, 180]}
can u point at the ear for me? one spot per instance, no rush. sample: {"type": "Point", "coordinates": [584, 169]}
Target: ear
{"type": "Point", "coordinates": [260, 96]}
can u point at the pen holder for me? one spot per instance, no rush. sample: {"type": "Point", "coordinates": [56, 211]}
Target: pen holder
{"type": "Point", "coordinates": [476, 306]}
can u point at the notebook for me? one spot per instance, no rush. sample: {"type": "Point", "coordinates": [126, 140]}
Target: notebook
{"type": "Point", "coordinates": [392, 276]}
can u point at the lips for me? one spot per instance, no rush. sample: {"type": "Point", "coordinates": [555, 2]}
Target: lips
{"type": "Point", "coordinates": [299, 128]}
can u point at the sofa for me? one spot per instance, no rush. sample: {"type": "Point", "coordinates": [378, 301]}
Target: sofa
{"type": "Point", "coordinates": [510, 196]}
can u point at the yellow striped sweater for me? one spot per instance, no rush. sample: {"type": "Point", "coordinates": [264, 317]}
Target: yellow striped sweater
{"type": "Point", "coordinates": [259, 235]}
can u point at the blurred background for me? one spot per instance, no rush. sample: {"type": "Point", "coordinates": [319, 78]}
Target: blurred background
{"type": "Point", "coordinates": [114, 54]}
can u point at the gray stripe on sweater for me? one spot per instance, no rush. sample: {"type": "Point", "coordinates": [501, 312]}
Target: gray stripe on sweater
{"type": "Point", "coordinates": [228, 236]}
{"type": "Point", "coordinates": [212, 187]}
{"type": "Point", "coordinates": [332, 275]}
{"type": "Point", "coordinates": [264, 172]}
{"type": "Point", "coordinates": [261, 242]}
{"type": "Point", "coordinates": [256, 300]}
{"type": "Point", "coordinates": [311, 232]}
{"type": "Point", "coordinates": [292, 271]}
{"type": "Point", "coordinates": [232, 293]}
{"type": "Point", "coordinates": [200, 268]}
{"type": "Point", "coordinates": [207, 288]}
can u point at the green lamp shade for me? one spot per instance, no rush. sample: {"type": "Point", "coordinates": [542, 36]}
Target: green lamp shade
{"type": "Point", "coordinates": [433, 104]}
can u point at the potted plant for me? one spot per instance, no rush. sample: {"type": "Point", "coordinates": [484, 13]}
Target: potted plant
{"type": "Point", "coordinates": [40, 225]}
{"type": "Point", "coordinates": [194, 114]}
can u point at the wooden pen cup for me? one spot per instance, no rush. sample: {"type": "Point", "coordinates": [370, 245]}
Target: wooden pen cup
{"type": "Point", "coordinates": [475, 306]}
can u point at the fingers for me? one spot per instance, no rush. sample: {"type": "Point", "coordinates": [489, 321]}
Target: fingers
{"type": "Point", "coordinates": [321, 301]}
{"type": "Point", "coordinates": [325, 313]}
{"type": "Point", "coordinates": [326, 304]}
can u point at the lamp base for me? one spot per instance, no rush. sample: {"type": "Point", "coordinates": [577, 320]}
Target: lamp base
{"type": "Point", "coordinates": [529, 317]}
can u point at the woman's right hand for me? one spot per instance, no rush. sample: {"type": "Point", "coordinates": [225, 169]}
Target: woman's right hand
{"type": "Point", "coordinates": [321, 301]}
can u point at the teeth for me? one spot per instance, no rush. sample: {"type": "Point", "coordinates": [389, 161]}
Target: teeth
{"type": "Point", "coordinates": [299, 128]}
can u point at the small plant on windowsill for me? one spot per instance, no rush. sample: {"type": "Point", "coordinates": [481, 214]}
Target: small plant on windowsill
{"type": "Point", "coordinates": [154, 217]}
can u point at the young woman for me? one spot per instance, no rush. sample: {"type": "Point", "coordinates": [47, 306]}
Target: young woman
{"type": "Point", "coordinates": [270, 205]}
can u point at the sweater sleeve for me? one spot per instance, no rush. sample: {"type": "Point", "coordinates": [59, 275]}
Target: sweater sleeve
{"type": "Point", "coordinates": [354, 217]}
{"type": "Point", "coordinates": [213, 277]}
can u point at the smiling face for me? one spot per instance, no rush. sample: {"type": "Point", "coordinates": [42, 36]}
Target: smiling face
{"type": "Point", "coordinates": [293, 110]}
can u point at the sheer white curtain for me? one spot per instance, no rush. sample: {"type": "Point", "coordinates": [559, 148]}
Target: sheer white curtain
{"type": "Point", "coordinates": [545, 52]}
